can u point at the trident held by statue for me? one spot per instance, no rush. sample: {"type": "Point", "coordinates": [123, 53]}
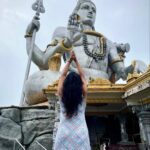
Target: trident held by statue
{"type": "Point", "coordinates": [39, 8]}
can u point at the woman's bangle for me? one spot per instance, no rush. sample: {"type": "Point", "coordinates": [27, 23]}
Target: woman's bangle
{"type": "Point", "coordinates": [69, 60]}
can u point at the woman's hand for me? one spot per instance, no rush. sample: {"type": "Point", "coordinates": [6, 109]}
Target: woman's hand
{"type": "Point", "coordinates": [80, 71]}
{"type": "Point", "coordinates": [73, 56]}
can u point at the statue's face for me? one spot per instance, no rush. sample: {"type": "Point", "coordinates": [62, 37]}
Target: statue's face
{"type": "Point", "coordinates": [87, 13]}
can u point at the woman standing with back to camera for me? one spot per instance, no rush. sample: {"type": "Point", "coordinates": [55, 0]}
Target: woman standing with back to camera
{"type": "Point", "coordinates": [72, 132]}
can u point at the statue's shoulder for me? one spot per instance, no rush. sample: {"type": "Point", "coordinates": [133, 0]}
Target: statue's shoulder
{"type": "Point", "coordinates": [60, 32]}
{"type": "Point", "coordinates": [109, 43]}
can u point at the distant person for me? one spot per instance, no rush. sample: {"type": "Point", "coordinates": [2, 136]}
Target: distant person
{"type": "Point", "coordinates": [72, 132]}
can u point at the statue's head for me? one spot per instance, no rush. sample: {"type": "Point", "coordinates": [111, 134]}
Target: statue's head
{"type": "Point", "coordinates": [86, 9]}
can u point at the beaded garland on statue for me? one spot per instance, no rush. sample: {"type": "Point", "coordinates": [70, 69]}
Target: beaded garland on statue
{"type": "Point", "coordinates": [96, 55]}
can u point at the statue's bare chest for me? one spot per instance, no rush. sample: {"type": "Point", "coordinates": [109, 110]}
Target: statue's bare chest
{"type": "Point", "coordinates": [91, 40]}
{"type": "Point", "coordinates": [90, 53]}
{"type": "Point", "coordinates": [92, 46]}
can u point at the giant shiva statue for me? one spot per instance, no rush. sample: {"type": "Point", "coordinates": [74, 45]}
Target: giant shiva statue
{"type": "Point", "coordinates": [98, 56]}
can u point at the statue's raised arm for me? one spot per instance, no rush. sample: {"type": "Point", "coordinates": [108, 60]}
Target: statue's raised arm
{"type": "Point", "coordinates": [62, 41]}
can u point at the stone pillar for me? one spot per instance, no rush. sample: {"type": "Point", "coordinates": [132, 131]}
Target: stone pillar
{"type": "Point", "coordinates": [124, 135]}
{"type": "Point", "coordinates": [144, 123]}
{"type": "Point", "coordinates": [57, 119]}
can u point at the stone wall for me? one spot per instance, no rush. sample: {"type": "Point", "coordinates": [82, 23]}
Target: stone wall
{"type": "Point", "coordinates": [27, 125]}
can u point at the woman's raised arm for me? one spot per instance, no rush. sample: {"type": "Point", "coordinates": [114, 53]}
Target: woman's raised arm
{"type": "Point", "coordinates": [81, 73]}
{"type": "Point", "coordinates": [62, 77]}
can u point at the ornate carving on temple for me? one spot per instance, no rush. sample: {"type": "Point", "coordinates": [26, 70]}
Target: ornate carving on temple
{"type": "Point", "coordinates": [99, 81]}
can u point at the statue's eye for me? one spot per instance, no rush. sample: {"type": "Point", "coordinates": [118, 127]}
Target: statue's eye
{"type": "Point", "coordinates": [85, 7]}
{"type": "Point", "coordinates": [93, 9]}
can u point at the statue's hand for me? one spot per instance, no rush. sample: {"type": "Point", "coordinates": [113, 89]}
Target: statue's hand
{"type": "Point", "coordinates": [75, 28]}
{"type": "Point", "coordinates": [73, 23]}
{"type": "Point", "coordinates": [139, 66]}
{"type": "Point", "coordinates": [126, 47]}
{"type": "Point", "coordinates": [34, 25]}
{"type": "Point", "coordinates": [123, 47]}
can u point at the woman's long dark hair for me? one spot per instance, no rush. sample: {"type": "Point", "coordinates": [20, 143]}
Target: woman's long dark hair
{"type": "Point", "coordinates": [72, 94]}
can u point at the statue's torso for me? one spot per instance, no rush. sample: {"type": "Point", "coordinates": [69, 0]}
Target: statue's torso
{"type": "Point", "coordinates": [92, 67]}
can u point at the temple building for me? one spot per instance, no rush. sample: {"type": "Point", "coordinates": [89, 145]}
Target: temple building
{"type": "Point", "coordinates": [117, 114]}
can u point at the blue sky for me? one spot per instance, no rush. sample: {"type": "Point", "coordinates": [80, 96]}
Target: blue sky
{"type": "Point", "coordinates": [119, 20]}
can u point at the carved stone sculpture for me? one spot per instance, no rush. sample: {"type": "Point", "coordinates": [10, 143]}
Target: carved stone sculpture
{"type": "Point", "coordinates": [98, 56]}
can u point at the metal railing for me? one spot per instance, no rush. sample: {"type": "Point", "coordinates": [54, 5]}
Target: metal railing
{"type": "Point", "coordinates": [16, 141]}
{"type": "Point", "coordinates": [41, 145]}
